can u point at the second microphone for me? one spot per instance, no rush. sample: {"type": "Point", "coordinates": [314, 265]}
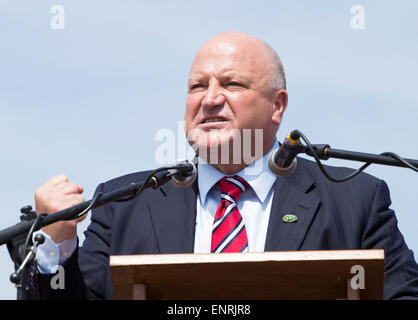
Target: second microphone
{"type": "Point", "coordinates": [282, 161]}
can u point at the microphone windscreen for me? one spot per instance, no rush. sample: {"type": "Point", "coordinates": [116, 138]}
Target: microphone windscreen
{"type": "Point", "coordinates": [278, 171]}
{"type": "Point", "coordinates": [185, 180]}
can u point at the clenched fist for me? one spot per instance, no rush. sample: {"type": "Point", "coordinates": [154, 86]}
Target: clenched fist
{"type": "Point", "coordinates": [55, 195]}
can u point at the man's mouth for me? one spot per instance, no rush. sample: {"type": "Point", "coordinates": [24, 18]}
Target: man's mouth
{"type": "Point", "coordinates": [209, 120]}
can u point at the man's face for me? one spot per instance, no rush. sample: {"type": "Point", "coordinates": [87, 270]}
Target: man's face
{"type": "Point", "coordinates": [230, 90]}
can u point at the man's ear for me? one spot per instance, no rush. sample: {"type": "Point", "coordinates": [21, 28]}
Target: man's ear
{"type": "Point", "coordinates": [281, 99]}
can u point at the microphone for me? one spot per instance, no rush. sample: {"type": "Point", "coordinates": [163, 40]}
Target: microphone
{"type": "Point", "coordinates": [185, 173]}
{"type": "Point", "coordinates": [282, 161]}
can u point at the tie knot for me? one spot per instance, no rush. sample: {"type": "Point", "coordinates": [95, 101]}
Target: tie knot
{"type": "Point", "coordinates": [232, 186]}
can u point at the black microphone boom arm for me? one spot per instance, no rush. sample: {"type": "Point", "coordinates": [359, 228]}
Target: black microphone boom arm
{"type": "Point", "coordinates": [155, 180]}
{"type": "Point", "coordinates": [324, 152]}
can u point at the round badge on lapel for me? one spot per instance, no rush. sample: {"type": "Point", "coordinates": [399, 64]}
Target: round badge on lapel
{"type": "Point", "coordinates": [290, 218]}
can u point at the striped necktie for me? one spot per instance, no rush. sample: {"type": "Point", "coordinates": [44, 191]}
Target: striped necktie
{"type": "Point", "coordinates": [228, 232]}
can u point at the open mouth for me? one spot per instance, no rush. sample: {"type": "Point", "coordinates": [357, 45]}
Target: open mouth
{"type": "Point", "coordinates": [210, 120]}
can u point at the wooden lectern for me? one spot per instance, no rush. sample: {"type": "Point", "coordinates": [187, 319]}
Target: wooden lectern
{"type": "Point", "coordinates": [347, 274]}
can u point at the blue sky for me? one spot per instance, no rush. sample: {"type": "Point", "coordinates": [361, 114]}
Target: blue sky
{"type": "Point", "coordinates": [88, 100]}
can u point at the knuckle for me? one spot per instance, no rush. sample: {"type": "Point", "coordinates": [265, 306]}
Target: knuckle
{"type": "Point", "coordinates": [62, 177]}
{"type": "Point", "coordinates": [74, 185]}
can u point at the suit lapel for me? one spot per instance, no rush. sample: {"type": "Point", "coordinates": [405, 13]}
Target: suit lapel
{"type": "Point", "coordinates": [291, 196]}
{"type": "Point", "coordinates": [174, 218]}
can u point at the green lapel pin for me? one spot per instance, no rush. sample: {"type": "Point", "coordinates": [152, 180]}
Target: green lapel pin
{"type": "Point", "coordinates": [290, 218]}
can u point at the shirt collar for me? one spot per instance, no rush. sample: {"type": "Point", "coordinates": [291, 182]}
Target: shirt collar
{"type": "Point", "coordinates": [258, 176]}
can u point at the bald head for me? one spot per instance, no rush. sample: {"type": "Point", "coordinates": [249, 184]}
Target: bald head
{"type": "Point", "coordinates": [263, 54]}
{"type": "Point", "coordinates": [236, 87]}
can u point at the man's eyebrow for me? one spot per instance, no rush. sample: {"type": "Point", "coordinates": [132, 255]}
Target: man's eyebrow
{"type": "Point", "coordinates": [195, 77]}
{"type": "Point", "coordinates": [191, 79]}
{"type": "Point", "coordinates": [234, 74]}
{"type": "Point", "coordinates": [223, 76]}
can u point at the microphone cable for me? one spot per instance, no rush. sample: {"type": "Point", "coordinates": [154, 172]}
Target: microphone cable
{"type": "Point", "coordinates": [30, 233]}
{"type": "Point", "coordinates": [148, 179]}
{"type": "Point", "coordinates": [356, 172]}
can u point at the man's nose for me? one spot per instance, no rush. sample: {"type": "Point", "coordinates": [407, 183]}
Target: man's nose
{"type": "Point", "coordinates": [214, 97]}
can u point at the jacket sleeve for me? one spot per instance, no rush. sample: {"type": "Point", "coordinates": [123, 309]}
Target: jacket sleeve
{"type": "Point", "coordinates": [381, 232]}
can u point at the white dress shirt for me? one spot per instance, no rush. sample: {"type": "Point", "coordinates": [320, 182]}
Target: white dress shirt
{"type": "Point", "coordinates": [254, 204]}
{"type": "Point", "coordinates": [50, 254]}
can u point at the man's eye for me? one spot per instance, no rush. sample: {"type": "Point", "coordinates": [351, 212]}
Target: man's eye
{"type": "Point", "coordinates": [234, 84]}
{"type": "Point", "coordinates": [196, 86]}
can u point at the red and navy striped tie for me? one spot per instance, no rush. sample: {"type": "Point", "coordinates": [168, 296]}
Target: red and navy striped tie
{"type": "Point", "coordinates": [228, 232]}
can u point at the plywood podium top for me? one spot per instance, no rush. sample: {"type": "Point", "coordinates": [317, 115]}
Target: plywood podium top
{"type": "Point", "coordinates": [264, 275]}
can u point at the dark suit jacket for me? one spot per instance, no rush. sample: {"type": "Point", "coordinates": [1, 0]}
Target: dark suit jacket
{"type": "Point", "coordinates": [331, 216]}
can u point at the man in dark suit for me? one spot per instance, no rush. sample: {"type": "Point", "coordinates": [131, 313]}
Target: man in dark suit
{"type": "Point", "coordinates": [236, 85]}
